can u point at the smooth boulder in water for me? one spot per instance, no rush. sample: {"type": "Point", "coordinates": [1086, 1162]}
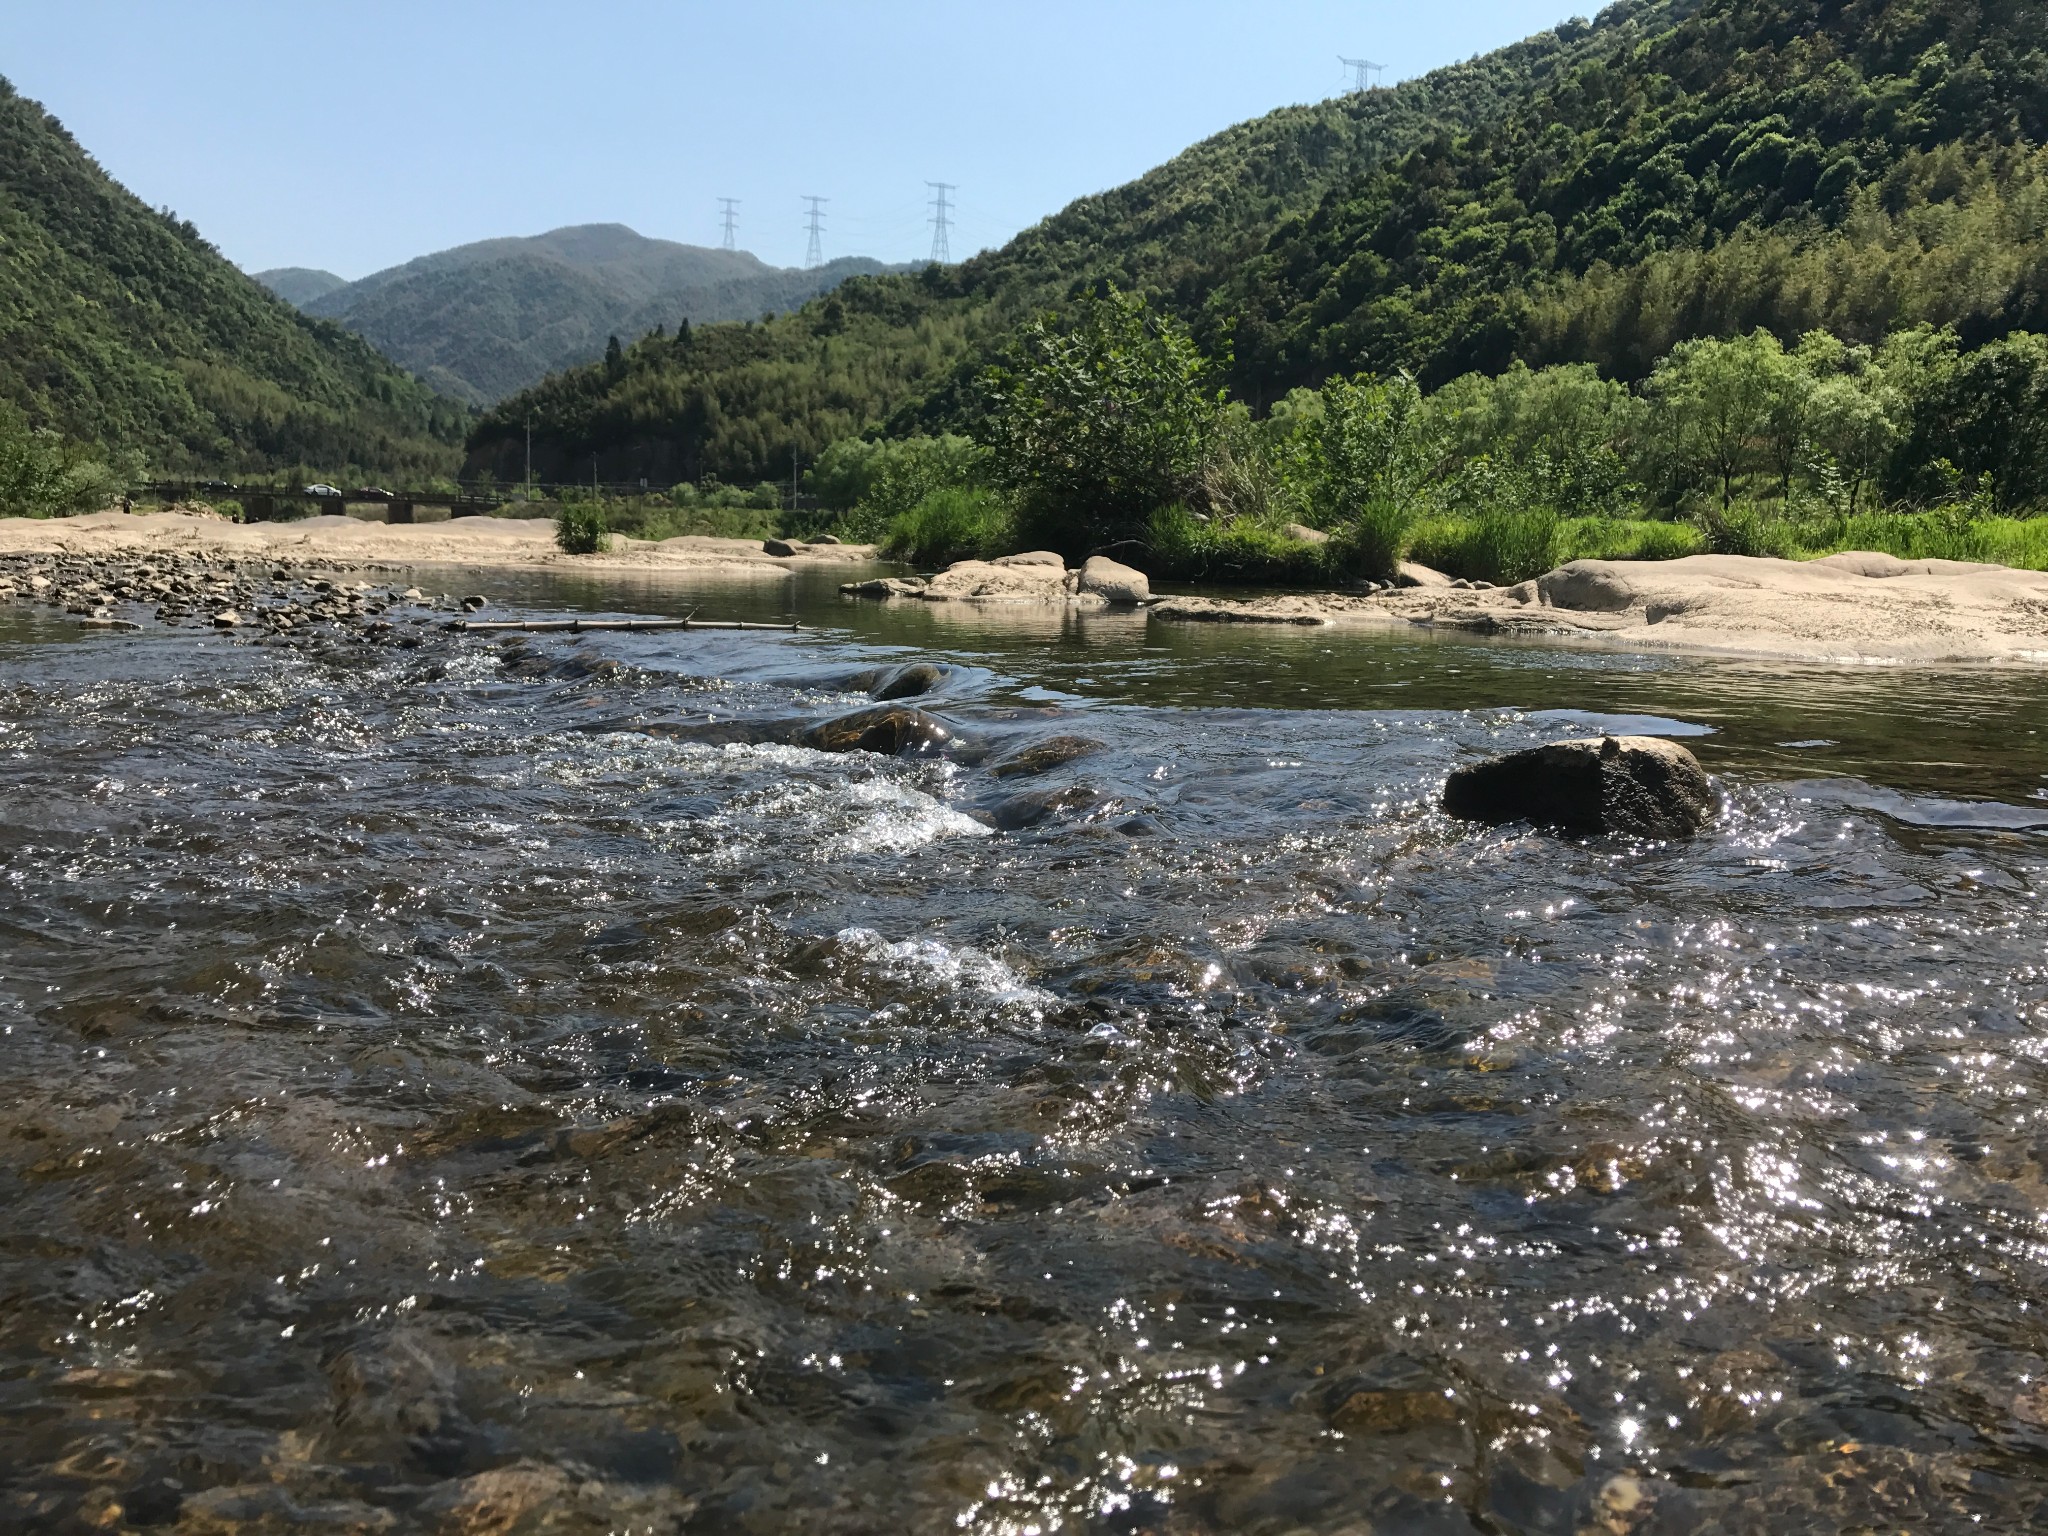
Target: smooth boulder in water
{"type": "Point", "coordinates": [920, 677]}
{"type": "Point", "coordinates": [891, 730]}
{"type": "Point", "coordinates": [1043, 756]}
{"type": "Point", "coordinates": [1114, 583]}
{"type": "Point", "coordinates": [1642, 786]}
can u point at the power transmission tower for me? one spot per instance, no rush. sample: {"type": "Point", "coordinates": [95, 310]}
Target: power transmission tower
{"type": "Point", "coordinates": [814, 253]}
{"type": "Point", "coordinates": [942, 247]}
{"type": "Point", "coordinates": [729, 210]}
{"type": "Point", "coordinates": [1360, 68]}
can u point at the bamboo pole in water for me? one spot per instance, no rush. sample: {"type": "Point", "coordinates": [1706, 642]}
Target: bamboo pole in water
{"type": "Point", "coordinates": [587, 626]}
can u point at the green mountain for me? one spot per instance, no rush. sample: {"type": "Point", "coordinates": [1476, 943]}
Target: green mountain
{"type": "Point", "coordinates": [1675, 168]}
{"type": "Point", "coordinates": [122, 326]}
{"type": "Point", "coordinates": [484, 320]}
{"type": "Point", "coordinates": [300, 286]}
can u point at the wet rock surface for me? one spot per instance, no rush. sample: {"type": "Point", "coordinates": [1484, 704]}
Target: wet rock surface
{"type": "Point", "coordinates": [892, 730]}
{"type": "Point", "coordinates": [910, 682]}
{"type": "Point", "coordinates": [1642, 786]}
{"type": "Point", "coordinates": [1044, 756]}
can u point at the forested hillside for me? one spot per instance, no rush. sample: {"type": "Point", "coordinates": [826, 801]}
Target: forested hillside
{"type": "Point", "coordinates": [1854, 166]}
{"type": "Point", "coordinates": [483, 320]}
{"type": "Point", "coordinates": [121, 326]}
{"type": "Point", "coordinates": [738, 401]}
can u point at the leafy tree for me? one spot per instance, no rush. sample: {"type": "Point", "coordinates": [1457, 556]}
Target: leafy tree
{"type": "Point", "coordinates": [1723, 405]}
{"type": "Point", "coordinates": [1095, 422]}
{"type": "Point", "coordinates": [1988, 414]}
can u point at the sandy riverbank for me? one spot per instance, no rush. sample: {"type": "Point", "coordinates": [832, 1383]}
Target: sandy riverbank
{"type": "Point", "coordinates": [483, 542]}
{"type": "Point", "coordinates": [1852, 608]}
{"type": "Point", "coordinates": [1857, 608]}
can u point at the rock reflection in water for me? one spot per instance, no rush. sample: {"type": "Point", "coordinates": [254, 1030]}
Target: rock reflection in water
{"type": "Point", "coordinates": [443, 1101]}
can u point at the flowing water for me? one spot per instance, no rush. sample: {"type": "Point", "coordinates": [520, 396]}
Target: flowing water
{"type": "Point", "coordinates": [512, 1088]}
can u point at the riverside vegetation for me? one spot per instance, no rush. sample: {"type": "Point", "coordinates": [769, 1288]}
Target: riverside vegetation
{"type": "Point", "coordinates": [1107, 431]}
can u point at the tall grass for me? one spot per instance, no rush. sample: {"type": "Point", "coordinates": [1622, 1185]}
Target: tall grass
{"type": "Point", "coordinates": [955, 523]}
{"type": "Point", "coordinates": [1260, 550]}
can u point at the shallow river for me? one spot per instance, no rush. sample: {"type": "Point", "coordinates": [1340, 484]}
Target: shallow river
{"type": "Point", "coordinates": [487, 1089]}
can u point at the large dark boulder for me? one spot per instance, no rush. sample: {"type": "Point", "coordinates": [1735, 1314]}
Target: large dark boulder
{"type": "Point", "coordinates": [891, 729]}
{"type": "Point", "coordinates": [1639, 785]}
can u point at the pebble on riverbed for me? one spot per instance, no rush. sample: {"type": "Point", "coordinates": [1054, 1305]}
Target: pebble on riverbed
{"type": "Point", "coordinates": [273, 597]}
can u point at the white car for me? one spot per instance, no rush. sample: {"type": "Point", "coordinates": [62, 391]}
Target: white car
{"type": "Point", "coordinates": [322, 490]}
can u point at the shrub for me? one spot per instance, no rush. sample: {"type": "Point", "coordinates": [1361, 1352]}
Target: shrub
{"type": "Point", "coordinates": [42, 475]}
{"type": "Point", "coordinates": [580, 529]}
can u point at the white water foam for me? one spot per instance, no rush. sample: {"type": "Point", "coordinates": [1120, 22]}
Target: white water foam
{"type": "Point", "coordinates": [932, 962]}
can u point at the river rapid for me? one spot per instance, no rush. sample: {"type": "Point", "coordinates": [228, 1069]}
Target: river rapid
{"type": "Point", "coordinates": [512, 1087]}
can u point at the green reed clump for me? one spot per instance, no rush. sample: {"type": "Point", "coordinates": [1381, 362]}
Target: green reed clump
{"type": "Point", "coordinates": [952, 523]}
{"type": "Point", "coordinates": [1181, 546]}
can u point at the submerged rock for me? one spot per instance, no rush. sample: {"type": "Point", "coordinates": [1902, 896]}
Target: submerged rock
{"type": "Point", "coordinates": [1043, 756]}
{"type": "Point", "coordinates": [1031, 806]}
{"type": "Point", "coordinates": [1114, 583]}
{"type": "Point", "coordinates": [884, 586]}
{"type": "Point", "coordinates": [910, 682]}
{"type": "Point", "coordinates": [890, 729]}
{"type": "Point", "coordinates": [1640, 785]}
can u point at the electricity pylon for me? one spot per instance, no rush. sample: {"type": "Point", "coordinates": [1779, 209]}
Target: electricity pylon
{"type": "Point", "coordinates": [729, 210]}
{"type": "Point", "coordinates": [814, 254]}
{"type": "Point", "coordinates": [942, 247]}
{"type": "Point", "coordinates": [1359, 69]}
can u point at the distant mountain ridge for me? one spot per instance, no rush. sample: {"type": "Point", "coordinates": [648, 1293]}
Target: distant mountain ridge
{"type": "Point", "coordinates": [300, 286]}
{"type": "Point", "coordinates": [485, 320]}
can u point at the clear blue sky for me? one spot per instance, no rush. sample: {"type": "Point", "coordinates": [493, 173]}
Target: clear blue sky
{"type": "Point", "coordinates": [356, 135]}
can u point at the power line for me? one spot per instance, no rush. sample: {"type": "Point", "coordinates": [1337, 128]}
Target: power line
{"type": "Point", "coordinates": [814, 253]}
{"type": "Point", "coordinates": [729, 210]}
{"type": "Point", "coordinates": [1359, 69]}
{"type": "Point", "coordinates": [942, 247]}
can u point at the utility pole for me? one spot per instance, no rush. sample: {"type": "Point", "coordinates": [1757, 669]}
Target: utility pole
{"type": "Point", "coordinates": [942, 248]}
{"type": "Point", "coordinates": [814, 254]}
{"type": "Point", "coordinates": [1359, 69]}
{"type": "Point", "coordinates": [729, 211]}
{"type": "Point", "coordinates": [529, 458]}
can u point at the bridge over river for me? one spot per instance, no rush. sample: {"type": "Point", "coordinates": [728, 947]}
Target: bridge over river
{"type": "Point", "coordinates": [267, 503]}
